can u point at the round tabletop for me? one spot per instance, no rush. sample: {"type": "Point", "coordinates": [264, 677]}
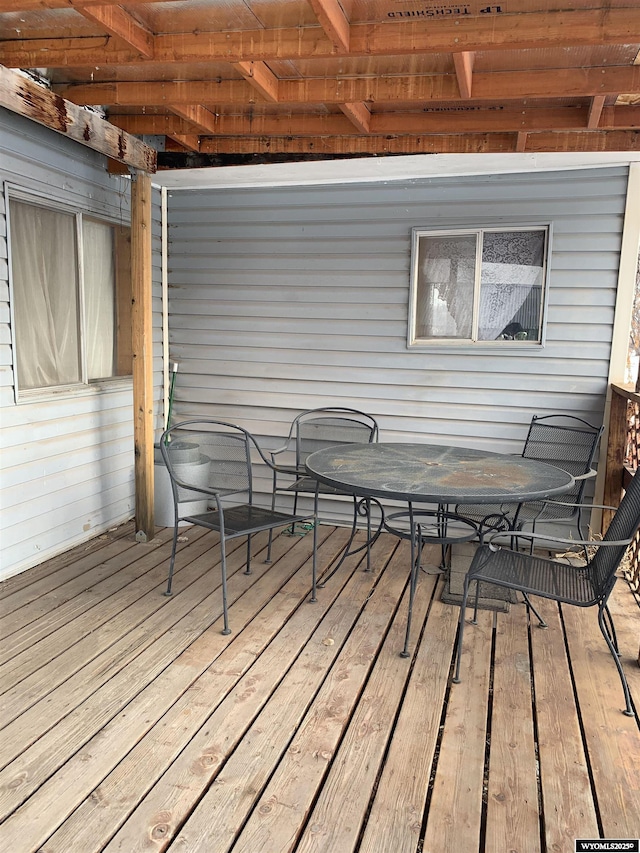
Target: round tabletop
{"type": "Point", "coordinates": [435, 473]}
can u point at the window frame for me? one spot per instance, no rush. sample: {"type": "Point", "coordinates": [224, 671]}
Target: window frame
{"type": "Point", "coordinates": [419, 232]}
{"type": "Point", "coordinates": [85, 386]}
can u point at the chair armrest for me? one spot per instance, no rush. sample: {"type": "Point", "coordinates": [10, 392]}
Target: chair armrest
{"type": "Point", "coordinates": [583, 504]}
{"type": "Point", "coordinates": [278, 450]}
{"type": "Point", "coordinates": [597, 543]}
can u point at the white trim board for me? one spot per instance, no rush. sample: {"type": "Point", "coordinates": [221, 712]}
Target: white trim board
{"type": "Point", "coordinates": [358, 170]}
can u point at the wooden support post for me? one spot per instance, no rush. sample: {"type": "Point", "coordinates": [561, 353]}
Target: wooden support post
{"type": "Point", "coordinates": [142, 347]}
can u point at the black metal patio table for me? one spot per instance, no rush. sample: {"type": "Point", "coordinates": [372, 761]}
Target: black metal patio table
{"type": "Point", "coordinates": [434, 474]}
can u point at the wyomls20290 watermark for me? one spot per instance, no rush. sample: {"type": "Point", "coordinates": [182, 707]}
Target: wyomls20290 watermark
{"type": "Point", "coordinates": [631, 845]}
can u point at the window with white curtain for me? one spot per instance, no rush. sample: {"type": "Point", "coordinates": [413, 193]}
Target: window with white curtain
{"type": "Point", "coordinates": [71, 297]}
{"type": "Point", "coordinates": [478, 286]}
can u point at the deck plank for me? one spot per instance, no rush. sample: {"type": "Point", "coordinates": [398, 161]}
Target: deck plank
{"type": "Point", "coordinates": [80, 777]}
{"type": "Point", "coordinates": [69, 632]}
{"type": "Point", "coordinates": [512, 796]}
{"type": "Point", "coordinates": [49, 752]}
{"type": "Point", "coordinates": [83, 554]}
{"type": "Point", "coordinates": [159, 733]}
{"type": "Point", "coordinates": [305, 660]}
{"type": "Point", "coordinates": [241, 677]}
{"type": "Point", "coordinates": [339, 813]}
{"type": "Point", "coordinates": [455, 812]}
{"type": "Point", "coordinates": [613, 745]}
{"type": "Point", "coordinates": [275, 803]}
{"type": "Point", "coordinates": [91, 661]}
{"type": "Point", "coordinates": [568, 806]}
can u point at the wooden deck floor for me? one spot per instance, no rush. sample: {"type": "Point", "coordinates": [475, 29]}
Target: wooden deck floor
{"type": "Point", "coordinates": [130, 723]}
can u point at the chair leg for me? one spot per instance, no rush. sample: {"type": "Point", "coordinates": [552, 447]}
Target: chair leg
{"type": "Point", "coordinates": [476, 601]}
{"type": "Point", "coordinates": [273, 507]}
{"type": "Point", "coordinates": [541, 621]}
{"type": "Point", "coordinates": [368, 563]}
{"type": "Point", "coordinates": [173, 559]}
{"type": "Point", "coordinates": [314, 575]}
{"type": "Point", "coordinates": [463, 608]}
{"type": "Point", "coordinates": [314, 565]}
{"type": "Point", "coordinates": [609, 634]}
{"type": "Point", "coordinates": [415, 563]}
{"type": "Point", "coordinates": [607, 621]}
{"type": "Point", "coordinates": [223, 567]}
{"type": "Point", "coordinates": [247, 570]}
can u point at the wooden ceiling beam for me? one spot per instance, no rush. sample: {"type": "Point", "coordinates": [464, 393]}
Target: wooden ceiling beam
{"type": "Point", "coordinates": [472, 121]}
{"type": "Point", "coordinates": [463, 63]}
{"type": "Point", "coordinates": [39, 5]}
{"type": "Point", "coordinates": [260, 77]}
{"type": "Point", "coordinates": [29, 99]}
{"type": "Point", "coordinates": [193, 115]}
{"type": "Point", "coordinates": [152, 94]}
{"type": "Point", "coordinates": [595, 111]}
{"type": "Point", "coordinates": [497, 86]}
{"type": "Point", "coordinates": [120, 23]}
{"type": "Point", "coordinates": [359, 115]}
{"type": "Point", "coordinates": [586, 140]}
{"type": "Point", "coordinates": [524, 31]}
{"type": "Point", "coordinates": [189, 141]}
{"type": "Point", "coordinates": [333, 21]}
{"type": "Point", "coordinates": [594, 140]}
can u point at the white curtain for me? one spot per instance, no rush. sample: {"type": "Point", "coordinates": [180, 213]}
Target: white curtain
{"type": "Point", "coordinates": [503, 292]}
{"type": "Point", "coordinates": [512, 265]}
{"type": "Point", "coordinates": [46, 291]}
{"type": "Point", "coordinates": [99, 298]}
{"type": "Point", "coordinates": [44, 267]}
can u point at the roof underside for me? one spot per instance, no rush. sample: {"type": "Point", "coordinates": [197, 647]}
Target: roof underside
{"type": "Point", "coordinates": [212, 81]}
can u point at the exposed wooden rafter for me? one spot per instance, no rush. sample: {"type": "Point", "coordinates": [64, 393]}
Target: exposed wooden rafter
{"type": "Point", "coordinates": [503, 85]}
{"type": "Point", "coordinates": [120, 23]}
{"type": "Point", "coordinates": [359, 116]}
{"type": "Point", "coordinates": [188, 141]}
{"type": "Point", "coordinates": [534, 30]}
{"type": "Point", "coordinates": [515, 119]}
{"type": "Point", "coordinates": [333, 77]}
{"type": "Point", "coordinates": [464, 69]}
{"type": "Point", "coordinates": [333, 21]}
{"type": "Point", "coordinates": [193, 116]}
{"type": "Point", "coordinates": [260, 78]}
{"type": "Point", "coordinates": [618, 140]}
{"type": "Point", "coordinates": [30, 99]}
{"type": "Point", "coordinates": [595, 111]}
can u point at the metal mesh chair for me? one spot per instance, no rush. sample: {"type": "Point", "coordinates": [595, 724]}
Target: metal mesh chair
{"type": "Point", "coordinates": [584, 586]}
{"type": "Point", "coordinates": [314, 430]}
{"type": "Point", "coordinates": [565, 441]}
{"type": "Point", "coordinates": [209, 463]}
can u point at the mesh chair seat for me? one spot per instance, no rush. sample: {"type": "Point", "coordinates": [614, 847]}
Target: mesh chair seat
{"type": "Point", "coordinates": [241, 519]}
{"type": "Point", "coordinates": [309, 485]}
{"type": "Point", "coordinates": [534, 575]}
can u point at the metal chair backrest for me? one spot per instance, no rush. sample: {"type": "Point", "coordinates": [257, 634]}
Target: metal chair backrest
{"type": "Point", "coordinates": [625, 522]}
{"type": "Point", "coordinates": [566, 441]}
{"type": "Point", "coordinates": [211, 456]}
{"type": "Point", "coordinates": [320, 428]}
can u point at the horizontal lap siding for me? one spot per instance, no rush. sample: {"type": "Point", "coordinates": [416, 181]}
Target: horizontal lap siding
{"type": "Point", "coordinates": [283, 299]}
{"type": "Point", "coordinates": [67, 464]}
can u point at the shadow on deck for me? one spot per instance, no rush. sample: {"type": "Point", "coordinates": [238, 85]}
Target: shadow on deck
{"type": "Point", "coordinates": [130, 723]}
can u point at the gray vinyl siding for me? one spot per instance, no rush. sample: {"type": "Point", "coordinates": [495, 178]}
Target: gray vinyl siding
{"type": "Point", "coordinates": [67, 464]}
{"type": "Point", "coordinates": [284, 299]}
